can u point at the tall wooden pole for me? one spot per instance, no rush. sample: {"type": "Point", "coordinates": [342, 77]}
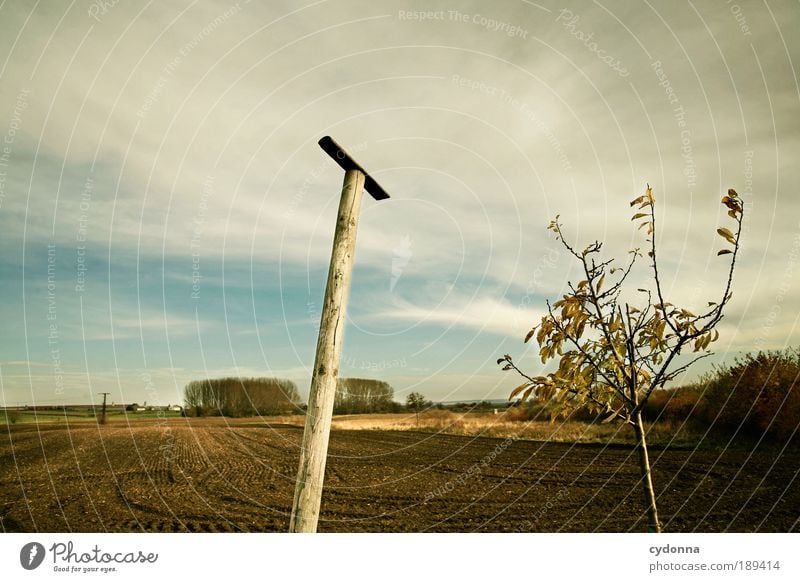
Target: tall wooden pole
{"type": "Point", "coordinates": [314, 450]}
{"type": "Point", "coordinates": [103, 417]}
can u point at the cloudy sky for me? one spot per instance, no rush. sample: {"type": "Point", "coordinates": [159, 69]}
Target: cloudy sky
{"type": "Point", "coordinates": [167, 215]}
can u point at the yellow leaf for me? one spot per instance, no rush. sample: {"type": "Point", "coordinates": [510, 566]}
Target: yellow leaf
{"type": "Point", "coordinates": [660, 329]}
{"type": "Point", "coordinates": [517, 390]}
{"type": "Point", "coordinates": [727, 235]}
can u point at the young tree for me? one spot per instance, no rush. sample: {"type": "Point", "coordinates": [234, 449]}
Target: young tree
{"type": "Point", "coordinates": [612, 354]}
{"type": "Point", "coordinates": [416, 402]}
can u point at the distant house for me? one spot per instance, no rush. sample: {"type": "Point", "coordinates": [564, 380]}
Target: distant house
{"type": "Point", "coordinates": [136, 407]}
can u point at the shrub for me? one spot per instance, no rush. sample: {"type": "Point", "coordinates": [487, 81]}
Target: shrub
{"type": "Point", "coordinates": [527, 412]}
{"type": "Point", "coordinates": [757, 395]}
{"type": "Point", "coordinates": [674, 405]}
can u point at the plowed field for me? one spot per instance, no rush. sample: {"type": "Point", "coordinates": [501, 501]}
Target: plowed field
{"type": "Point", "coordinates": [209, 475]}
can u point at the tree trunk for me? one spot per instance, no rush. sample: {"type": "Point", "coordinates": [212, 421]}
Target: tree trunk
{"type": "Point", "coordinates": [647, 479]}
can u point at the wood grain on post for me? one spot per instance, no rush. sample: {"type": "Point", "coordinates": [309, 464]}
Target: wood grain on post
{"type": "Point", "coordinates": [314, 450]}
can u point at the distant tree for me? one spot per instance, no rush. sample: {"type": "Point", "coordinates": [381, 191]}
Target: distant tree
{"type": "Point", "coordinates": [416, 402]}
{"type": "Point", "coordinates": [241, 396]}
{"type": "Point", "coordinates": [362, 395]}
{"type": "Point", "coordinates": [613, 355]}
{"type": "Point", "coordinates": [193, 398]}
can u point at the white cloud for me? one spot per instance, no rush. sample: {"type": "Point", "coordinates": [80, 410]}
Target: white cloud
{"type": "Point", "coordinates": [481, 314]}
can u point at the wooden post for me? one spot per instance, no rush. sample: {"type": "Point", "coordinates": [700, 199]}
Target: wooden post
{"type": "Point", "coordinates": [314, 451]}
{"type": "Point", "coordinates": [103, 416]}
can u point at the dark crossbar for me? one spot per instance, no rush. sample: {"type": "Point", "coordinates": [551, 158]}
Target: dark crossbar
{"type": "Point", "coordinates": [341, 157]}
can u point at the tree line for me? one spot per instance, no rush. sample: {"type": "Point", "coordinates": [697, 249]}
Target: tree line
{"type": "Point", "coordinates": [271, 396]}
{"type": "Point", "coordinates": [241, 397]}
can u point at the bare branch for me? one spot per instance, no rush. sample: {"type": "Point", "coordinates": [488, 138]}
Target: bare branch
{"type": "Point", "coordinates": [726, 295]}
{"type": "Point", "coordinates": [656, 275]}
{"type": "Point", "coordinates": [677, 371]}
{"type": "Point", "coordinates": [616, 287]}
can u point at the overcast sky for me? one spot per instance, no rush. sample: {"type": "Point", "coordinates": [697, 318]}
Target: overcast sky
{"type": "Point", "coordinates": [166, 213]}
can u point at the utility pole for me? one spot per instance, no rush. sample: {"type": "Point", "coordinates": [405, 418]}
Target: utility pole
{"type": "Point", "coordinates": [314, 450]}
{"type": "Point", "coordinates": [103, 415]}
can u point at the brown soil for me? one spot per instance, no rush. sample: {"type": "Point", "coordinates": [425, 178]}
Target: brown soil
{"type": "Point", "coordinates": [214, 476]}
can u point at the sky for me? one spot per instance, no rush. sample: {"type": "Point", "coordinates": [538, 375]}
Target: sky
{"type": "Point", "coordinates": [166, 213]}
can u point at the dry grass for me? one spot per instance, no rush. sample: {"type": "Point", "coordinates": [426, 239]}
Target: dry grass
{"type": "Point", "coordinates": [501, 425]}
{"type": "Point", "coordinates": [289, 419]}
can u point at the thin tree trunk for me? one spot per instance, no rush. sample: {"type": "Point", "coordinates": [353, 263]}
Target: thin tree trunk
{"type": "Point", "coordinates": [647, 480]}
